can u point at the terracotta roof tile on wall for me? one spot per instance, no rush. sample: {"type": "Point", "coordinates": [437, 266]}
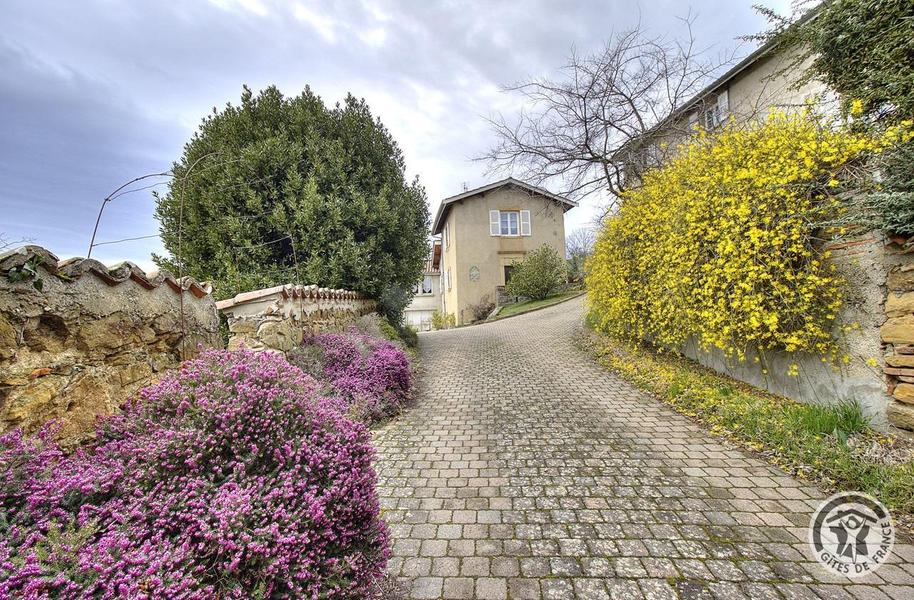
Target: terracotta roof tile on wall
{"type": "Point", "coordinates": [290, 291]}
{"type": "Point", "coordinates": [74, 268]}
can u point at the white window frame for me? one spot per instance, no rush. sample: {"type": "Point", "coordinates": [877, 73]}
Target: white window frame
{"type": "Point", "coordinates": [499, 228]}
{"type": "Point", "coordinates": [504, 223]}
{"type": "Point", "coordinates": [448, 273]}
{"type": "Point", "coordinates": [715, 112]}
{"type": "Point", "coordinates": [420, 287]}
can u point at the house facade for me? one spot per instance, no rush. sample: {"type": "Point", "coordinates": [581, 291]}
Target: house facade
{"type": "Point", "coordinates": [427, 293]}
{"type": "Point", "coordinates": [766, 80]}
{"type": "Point", "coordinates": [484, 232]}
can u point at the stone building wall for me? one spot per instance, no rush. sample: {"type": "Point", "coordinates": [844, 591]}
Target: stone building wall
{"type": "Point", "coordinates": [278, 318]}
{"type": "Point", "coordinates": [880, 301]}
{"type": "Point", "coordinates": [78, 338]}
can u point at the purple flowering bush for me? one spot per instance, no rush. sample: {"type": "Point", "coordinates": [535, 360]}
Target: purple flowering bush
{"type": "Point", "coordinates": [370, 375]}
{"type": "Point", "coordinates": [232, 477]}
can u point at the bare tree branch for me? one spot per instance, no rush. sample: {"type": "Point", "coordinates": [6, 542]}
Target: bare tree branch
{"type": "Point", "coordinates": [583, 130]}
{"type": "Point", "coordinates": [6, 243]}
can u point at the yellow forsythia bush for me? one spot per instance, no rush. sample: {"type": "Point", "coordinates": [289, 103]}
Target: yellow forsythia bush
{"type": "Point", "coordinates": [719, 243]}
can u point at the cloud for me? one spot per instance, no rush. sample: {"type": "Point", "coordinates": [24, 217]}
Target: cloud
{"type": "Point", "coordinates": [322, 24]}
{"type": "Point", "coordinates": [97, 92]}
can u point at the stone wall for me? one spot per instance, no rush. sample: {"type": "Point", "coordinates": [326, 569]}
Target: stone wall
{"type": "Point", "coordinates": [876, 347]}
{"type": "Point", "coordinates": [278, 318]}
{"type": "Point", "coordinates": [78, 338]}
{"type": "Point", "coordinates": [898, 336]}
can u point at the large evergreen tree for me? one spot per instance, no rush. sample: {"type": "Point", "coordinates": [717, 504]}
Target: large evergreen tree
{"type": "Point", "coordinates": [281, 190]}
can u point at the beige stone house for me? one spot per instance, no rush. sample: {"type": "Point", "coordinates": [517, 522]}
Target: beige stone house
{"type": "Point", "coordinates": [427, 293]}
{"type": "Point", "coordinates": [765, 80]}
{"type": "Point", "coordinates": [485, 231]}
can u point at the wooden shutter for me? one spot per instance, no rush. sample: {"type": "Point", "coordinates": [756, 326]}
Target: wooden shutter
{"type": "Point", "coordinates": [494, 223]}
{"type": "Point", "coordinates": [525, 222]}
{"type": "Point", "coordinates": [723, 106]}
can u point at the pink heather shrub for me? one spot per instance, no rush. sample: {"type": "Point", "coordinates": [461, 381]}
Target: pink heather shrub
{"type": "Point", "coordinates": [371, 375]}
{"type": "Point", "coordinates": [231, 478]}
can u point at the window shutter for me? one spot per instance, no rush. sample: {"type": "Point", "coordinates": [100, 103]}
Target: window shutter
{"type": "Point", "coordinates": [723, 106]}
{"type": "Point", "coordinates": [494, 224]}
{"type": "Point", "coordinates": [525, 222]}
{"type": "Point", "coordinates": [693, 119]}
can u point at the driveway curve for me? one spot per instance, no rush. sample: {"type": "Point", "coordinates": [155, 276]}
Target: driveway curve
{"type": "Point", "coordinates": [526, 470]}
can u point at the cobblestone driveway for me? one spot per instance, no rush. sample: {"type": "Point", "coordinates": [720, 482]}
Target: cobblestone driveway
{"type": "Point", "coordinates": [527, 471]}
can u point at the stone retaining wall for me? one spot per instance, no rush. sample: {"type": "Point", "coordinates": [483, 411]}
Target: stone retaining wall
{"type": "Point", "coordinates": [881, 343]}
{"type": "Point", "coordinates": [278, 318]}
{"type": "Point", "coordinates": [78, 338]}
{"type": "Point", "coordinates": [898, 335]}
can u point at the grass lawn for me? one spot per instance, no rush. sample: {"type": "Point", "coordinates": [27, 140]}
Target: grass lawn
{"type": "Point", "coordinates": [830, 445]}
{"type": "Point", "coordinates": [522, 307]}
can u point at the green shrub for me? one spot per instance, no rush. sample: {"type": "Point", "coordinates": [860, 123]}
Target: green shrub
{"type": "Point", "coordinates": [443, 321]}
{"type": "Point", "coordinates": [379, 326]}
{"type": "Point", "coordinates": [482, 309]}
{"type": "Point", "coordinates": [409, 336]}
{"type": "Point", "coordinates": [540, 274]}
{"type": "Point", "coordinates": [894, 202]}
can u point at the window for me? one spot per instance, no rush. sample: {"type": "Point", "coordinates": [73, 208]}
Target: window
{"type": "Point", "coordinates": [509, 223]}
{"type": "Point", "coordinates": [711, 117]}
{"type": "Point", "coordinates": [427, 285]}
{"type": "Point", "coordinates": [715, 110]}
{"type": "Point", "coordinates": [447, 235]}
{"type": "Point", "coordinates": [424, 286]}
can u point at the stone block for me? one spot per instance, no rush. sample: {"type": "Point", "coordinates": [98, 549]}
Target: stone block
{"type": "Point", "coordinates": [279, 335]}
{"type": "Point", "coordinates": [899, 371]}
{"type": "Point", "coordinates": [135, 372]}
{"type": "Point", "coordinates": [901, 415]}
{"type": "Point", "coordinates": [27, 401]}
{"type": "Point", "coordinates": [904, 392]}
{"type": "Point", "coordinates": [243, 326]}
{"type": "Point", "coordinates": [8, 338]}
{"type": "Point", "coordinates": [898, 330]}
{"type": "Point", "coordinates": [897, 305]}
{"type": "Point", "coordinates": [901, 279]}
{"type": "Point", "coordinates": [900, 360]}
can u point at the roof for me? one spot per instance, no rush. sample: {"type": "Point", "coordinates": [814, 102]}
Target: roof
{"type": "Point", "coordinates": [433, 263]}
{"type": "Point", "coordinates": [72, 269]}
{"type": "Point", "coordinates": [445, 206]}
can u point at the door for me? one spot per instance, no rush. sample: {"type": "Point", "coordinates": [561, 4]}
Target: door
{"type": "Point", "coordinates": [508, 270]}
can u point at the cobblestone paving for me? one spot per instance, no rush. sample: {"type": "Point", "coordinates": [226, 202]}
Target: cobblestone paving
{"type": "Point", "coordinates": [527, 471]}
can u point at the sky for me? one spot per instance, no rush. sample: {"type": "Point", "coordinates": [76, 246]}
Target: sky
{"type": "Point", "coordinates": [97, 92]}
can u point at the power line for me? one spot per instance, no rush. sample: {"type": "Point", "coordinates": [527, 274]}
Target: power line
{"type": "Point", "coordinates": [130, 239]}
{"type": "Point", "coordinates": [285, 237]}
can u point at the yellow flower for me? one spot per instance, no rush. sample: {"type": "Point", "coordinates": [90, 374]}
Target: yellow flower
{"type": "Point", "coordinates": [856, 107]}
{"type": "Point", "coordinates": [715, 245]}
